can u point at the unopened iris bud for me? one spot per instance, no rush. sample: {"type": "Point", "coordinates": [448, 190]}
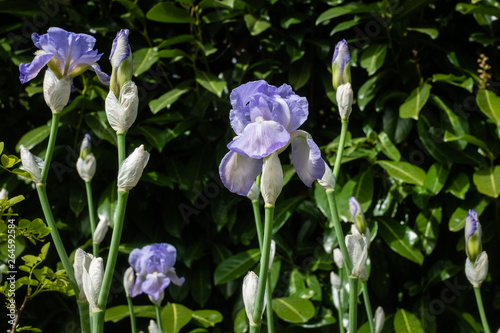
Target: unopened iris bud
{"type": "Point", "coordinates": [379, 319]}
{"type": "Point", "coordinates": [56, 91]}
{"type": "Point", "coordinates": [92, 281]}
{"type": "Point", "coordinates": [131, 169]}
{"type": "Point", "coordinates": [473, 235]}
{"type": "Point", "coordinates": [358, 253]}
{"type": "Point", "coordinates": [328, 181]}
{"type": "Point", "coordinates": [33, 164]}
{"type": "Point", "coordinates": [128, 280]}
{"type": "Point", "coordinates": [153, 327]}
{"type": "Point", "coordinates": [101, 229]}
{"type": "Point", "coordinates": [272, 253]}
{"type": "Point", "coordinates": [86, 163]}
{"type": "Point", "coordinates": [338, 258]}
{"type": "Point", "coordinates": [271, 182]}
{"type": "Point", "coordinates": [81, 263]}
{"type": "Point", "coordinates": [341, 69]}
{"type": "Point", "coordinates": [250, 286]}
{"type": "Point", "coordinates": [4, 194]}
{"type": "Point", "coordinates": [476, 273]}
{"type": "Point", "coordinates": [121, 62]}
{"type": "Point", "coordinates": [344, 100]}
{"type": "Point", "coordinates": [254, 193]}
{"type": "Point", "coordinates": [335, 281]}
{"type": "Point", "coordinates": [121, 111]}
{"type": "Point", "coordinates": [358, 216]}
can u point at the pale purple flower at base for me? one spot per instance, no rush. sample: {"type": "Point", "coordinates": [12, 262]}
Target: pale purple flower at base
{"type": "Point", "coordinates": [65, 53]}
{"type": "Point", "coordinates": [154, 266]}
{"type": "Point", "coordinates": [266, 120]}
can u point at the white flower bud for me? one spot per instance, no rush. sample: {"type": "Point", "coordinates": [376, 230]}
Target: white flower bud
{"type": "Point", "coordinates": [344, 100]}
{"type": "Point", "coordinates": [92, 281]}
{"type": "Point", "coordinates": [272, 253]}
{"type": "Point", "coordinates": [379, 319]}
{"type": "Point", "coordinates": [327, 181]}
{"type": "Point", "coordinates": [122, 112]}
{"type": "Point", "coordinates": [338, 258]}
{"type": "Point", "coordinates": [254, 192]}
{"type": "Point", "coordinates": [56, 91]}
{"type": "Point", "coordinates": [153, 327]}
{"type": "Point", "coordinates": [86, 168]}
{"type": "Point", "coordinates": [358, 253]}
{"type": "Point", "coordinates": [128, 280]}
{"type": "Point", "coordinates": [477, 273]}
{"type": "Point", "coordinates": [335, 281]}
{"type": "Point", "coordinates": [250, 286]}
{"type": "Point", "coordinates": [4, 194]}
{"type": "Point", "coordinates": [81, 264]}
{"type": "Point", "coordinates": [33, 164]}
{"type": "Point", "coordinates": [271, 182]}
{"type": "Point", "coordinates": [101, 229]}
{"type": "Point", "coordinates": [131, 169]}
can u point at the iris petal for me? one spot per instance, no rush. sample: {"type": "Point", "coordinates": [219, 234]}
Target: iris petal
{"type": "Point", "coordinates": [306, 159]}
{"type": "Point", "coordinates": [31, 70]}
{"type": "Point", "coordinates": [154, 284]}
{"type": "Point", "coordinates": [238, 172]}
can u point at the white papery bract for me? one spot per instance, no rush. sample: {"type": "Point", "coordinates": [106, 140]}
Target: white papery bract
{"type": "Point", "coordinates": [131, 169]}
{"type": "Point", "coordinates": [128, 280]}
{"type": "Point", "coordinates": [254, 192]}
{"type": "Point", "coordinates": [92, 282]}
{"type": "Point", "coordinates": [335, 280]}
{"type": "Point", "coordinates": [153, 327]}
{"type": "Point", "coordinates": [379, 319]}
{"type": "Point", "coordinates": [33, 164]}
{"type": "Point", "coordinates": [271, 182]}
{"type": "Point", "coordinates": [272, 253]}
{"type": "Point", "coordinates": [327, 181]}
{"type": "Point", "coordinates": [81, 264]}
{"type": "Point", "coordinates": [344, 100]}
{"type": "Point", "coordinates": [358, 253]}
{"type": "Point", "coordinates": [476, 273]}
{"type": "Point", "coordinates": [250, 286]}
{"type": "Point", "coordinates": [338, 258]}
{"type": "Point", "coordinates": [101, 229]}
{"type": "Point", "coordinates": [122, 111]}
{"type": "Point", "coordinates": [56, 91]}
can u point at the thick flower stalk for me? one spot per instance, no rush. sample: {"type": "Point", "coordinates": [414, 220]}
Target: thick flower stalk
{"type": "Point", "coordinates": [266, 119]}
{"type": "Point", "coordinates": [154, 267]}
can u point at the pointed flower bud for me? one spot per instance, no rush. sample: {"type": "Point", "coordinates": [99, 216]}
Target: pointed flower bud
{"type": "Point", "coordinates": [4, 194]}
{"type": "Point", "coordinates": [153, 327]}
{"type": "Point", "coordinates": [101, 229]}
{"type": "Point", "coordinates": [122, 111]}
{"type": "Point", "coordinates": [341, 69]}
{"type": "Point", "coordinates": [335, 280]}
{"type": "Point", "coordinates": [92, 281]}
{"type": "Point", "coordinates": [33, 164]}
{"type": "Point", "coordinates": [379, 319]}
{"type": "Point", "coordinates": [81, 264]}
{"type": "Point", "coordinates": [56, 91]}
{"type": "Point", "coordinates": [476, 273]}
{"type": "Point", "coordinates": [473, 235]}
{"type": "Point", "coordinates": [254, 193]}
{"type": "Point", "coordinates": [86, 163]}
{"type": "Point", "coordinates": [271, 182]}
{"type": "Point", "coordinates": [131, 169]}
{"type": "Point", "coordinates": [272, 253]}
{"type": "Point", "coordinates": [344, 100]}
{"type": "Point", "coordinates": [358, 216]}
{"type": "Point", "coordinates": [338, 258]}
{"type": "Point", "coordinates": [250, 286]}
{"type": "Point", "coordinates": [327, 181]}
{"type": "Point", "coordinates": [121, 61]}
{"type": "Point", "coordinates": [358, 253]}
{"type": "Point", "coordinates": [128, 280]}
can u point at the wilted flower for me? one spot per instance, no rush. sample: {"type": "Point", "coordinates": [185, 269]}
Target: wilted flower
{"type": "Point", "coordinates": [65, 53]}
{"type": "Point", "coordinates": [33, 164]}
{"type": "Point", "coordinates": [122, 111]}
{"type": "Point", "coordinates": [344, 100]}
{"type": "Point", "coordinates": [154, 265]}
{"type": "Point", "coordinates": [131, 169]}
{"type": "Point", "coordinates": [86, 163]}
{"type": "Point", "coordinates": [473, 235]}
{"type": "Point", "coordinates": [250, 287]}
{"type": "Point", "coordinates": [476, 273]}
{"type": "Point", "coordinates": [128, 280]}
{"type": "Point", "coordinates": [266, 120]}
{"type": "Point", "coordinates": [101, 229]}
{"type": "Point", "coordinates": [56, 91]}
{"type": "Point", "coordinates": [121, 61]}
{"type": "Point", "coordinates": [341, 70]}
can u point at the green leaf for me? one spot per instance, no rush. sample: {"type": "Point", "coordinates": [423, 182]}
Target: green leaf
{"type": "Point", "coordinates": [489, 104]}
{"type": "Point", "coordinates": [1, 147]}
{"type": "Point", "coordinates": [373, 58]}
{"type": "Point", "coordinates": [143, 59]}
{"type": "Point", "coordinates": [207, 318]}
{"type": "Point", "coordinates": [415, 102]}
{"type": "Point", "coordinates": [33, 137]}
{"type": "Point", "coordinates": [406, 322]}
{"type": "Point", "coordinates": [488, 181]}
{"type": "Point", "coordinates": [299, 74]}
{"type": "Point", "coordinates": [293, 310]}
{"type": "Point", "coordinates": [387, 147]}
{"type": "Point", "coordinates": [296, 282]}
{"type": "Point", "coordinates": [211, 82]}
{"type": "Point", "coordinates": [459, 81]}
{"type": "Point", "coordinates": [431, 32]}
{"type": "Point", "coordinates": [345, 25]}
{"type": "Point", "coordinates": [167, 12]}
{"type": "Point", "coordinates": [117, 313]}
{"type": "Point", "coordinates": [404, 171]}
{"type": "Point", "coordinates": [450, 137]}
{"type": "Point", "coordinates": [236, 266]}
{"type": "Point", "coordinates": [400, 238]}
{"type": "Point", "coordinates": [201, 283]}
{"type": "Point", "coordinates": [256, 26]}
{"type": "Point", "coordinates": [459, 185]}
{"type": "Point", "coordinates": [441, 271]}
{"type": "Point", "coordinates": [436, 178]}
{"type": "Point", "coordinates": [98, 123]}
{"type": "Point", "coordinates": [360, 187]}
{"type": "Point", "coordinates": [351, 8]}
{"type": "Point", "coordinates": [167, 99]}
{"type": "Point", "coordinates": [241, 322]}
{"type": "Point", "coordinates": [77, 200]}
{"type": "Point", "coordinates": [9, 161]}
{"type": "Point", "coordinates": [174, 317]}
{"type": "Point", "coordinates": [369, 89]}
{"type": "Point", "coordinates": [427, 224]}
{"type": "Point", "coordinates": [216, 4]}
{"type": "Point", "coordinates": [155, 137]}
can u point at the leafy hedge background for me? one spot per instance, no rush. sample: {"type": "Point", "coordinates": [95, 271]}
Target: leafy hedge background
{"type": "Point", "coordinates": [422, 149]}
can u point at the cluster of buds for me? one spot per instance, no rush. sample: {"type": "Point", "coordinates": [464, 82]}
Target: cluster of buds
{"type": "Point", "coordinates": [476, 264]}
{"type": "Point", "coordinates": [341, 79]}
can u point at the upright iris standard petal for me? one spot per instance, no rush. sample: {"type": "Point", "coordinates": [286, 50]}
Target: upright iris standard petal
{"type": "Point", "coordinates": [238, 172]}
{"type": "Point", "coordinates": [306, 158]}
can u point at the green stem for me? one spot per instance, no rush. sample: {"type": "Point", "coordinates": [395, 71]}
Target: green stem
{"type": "Point", "coordinates": [254, 329]}
{"type": "Point", "coordinates": [269, 307]}
{"type": "Point", "coordinates": [132, 314]}
{"type": "Point", "coordinates": [158, 317]}
{"type": "Point", "coordinates": [480, 307]}
{"type": "Point", "coordinates": [90, 204]}
{"type": "Point", "coordinates": [368, 306]}
{"type": "Point", "coordinates": [264, 264]}
{"type": "Point", "coordinates": [120, 138]}
{"type": "Point", "coordinates": [258, 221]}
{"type": "Point", "coordinates": [338, 159]}
{"type": "Point", "coordinates": [353, 303]}
{"type": "Point", "coordinates": [113, 250]}
{"type": "Point", "coordinates": [97, 320]}
{"type": "Point", "coordinates": [56, 238]}
{"type": "Point", "coordinates": [338, 230]}
{"type": "Point", "coordinates": [54, 125]}
{"type": "Point", "coordinates": [83, 309]}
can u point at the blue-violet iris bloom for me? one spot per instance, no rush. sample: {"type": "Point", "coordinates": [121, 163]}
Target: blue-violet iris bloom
{"type": "Point", "coordinates": [266, 120]}
{"type": "Point", "coordinates": [154, 267]}
{"type": "Point", "coordinates": [65, 53]}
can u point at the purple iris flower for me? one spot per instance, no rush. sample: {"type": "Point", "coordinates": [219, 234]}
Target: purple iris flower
{"type": "Point", "coordinates": [154, 267]}
{"type": "Point", "coordinates": [65, 53]}
{"type": "Point", "coordinates": [266, 120]}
